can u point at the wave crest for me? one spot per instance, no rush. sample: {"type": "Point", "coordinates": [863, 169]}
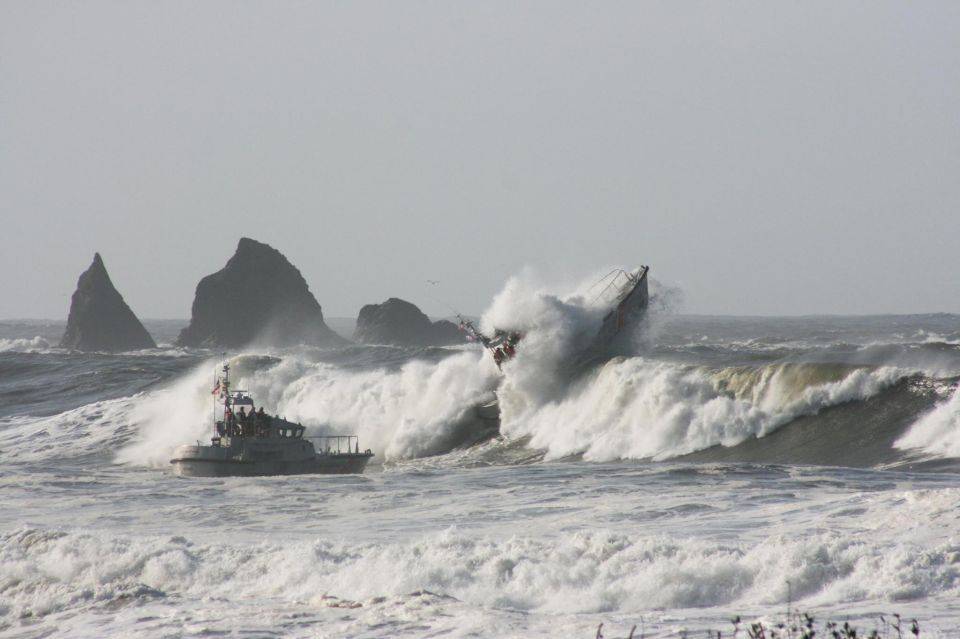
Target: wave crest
{"type": "Point", "coordinates": [35, 344]}
{"type": "Point", "coordinates": [636, 408]}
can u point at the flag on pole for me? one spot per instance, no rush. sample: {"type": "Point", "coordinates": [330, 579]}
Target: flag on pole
{"type": "Point", "coordinates": [216, 389]}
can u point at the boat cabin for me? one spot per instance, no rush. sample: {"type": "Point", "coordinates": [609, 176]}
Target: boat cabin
{"type": "Point", "coordinates": [242, 422]}
{"type": "Point", "coordinates": [240, 399]}
{"type": "Point", "coordinates": [290, 431]}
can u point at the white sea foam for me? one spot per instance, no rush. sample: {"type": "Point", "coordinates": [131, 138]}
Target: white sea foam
{"type": "Point", "coordinates": [46, 571]}
{"type": "Point", "coordinates": [24, 345]}
{"type": "Point", "coordinates": [938, 431]}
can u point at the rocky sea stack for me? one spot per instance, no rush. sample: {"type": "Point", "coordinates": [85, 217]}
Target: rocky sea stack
{"type": "Point", "coordinates": [259, 296]}
{"type": "Point", "coordinates": [400, 323]}
{"type": "Point", "coordinates": [99, 319]}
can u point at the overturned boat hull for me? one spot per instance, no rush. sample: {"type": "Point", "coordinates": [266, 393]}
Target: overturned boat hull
{"type": "Point", "coordinates": [616, 336]}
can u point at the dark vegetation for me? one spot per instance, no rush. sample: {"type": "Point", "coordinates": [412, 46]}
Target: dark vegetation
{"type": "Point", "coordinates": [798, 626]}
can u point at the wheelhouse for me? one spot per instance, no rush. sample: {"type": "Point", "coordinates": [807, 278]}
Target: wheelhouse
{"type": "Point", "coordinates": [290, 431]}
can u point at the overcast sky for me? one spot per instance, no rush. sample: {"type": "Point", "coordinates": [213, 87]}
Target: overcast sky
{"type": "Point", "coordinates": [767, 158]}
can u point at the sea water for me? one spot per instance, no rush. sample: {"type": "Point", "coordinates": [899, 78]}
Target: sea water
{"type": "Point", "coordinates": [728, 466]}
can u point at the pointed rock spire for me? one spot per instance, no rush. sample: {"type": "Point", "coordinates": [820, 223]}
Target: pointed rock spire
{"type": "Point", "coordinates": [259, 296]}
{"type": "Point", "coordinates": [99, 319]}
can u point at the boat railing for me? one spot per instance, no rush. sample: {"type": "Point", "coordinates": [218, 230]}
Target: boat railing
{"type": "Point", "coordinates": [328, 442]}
{"type": "Point", "coordinates": [619, 281]}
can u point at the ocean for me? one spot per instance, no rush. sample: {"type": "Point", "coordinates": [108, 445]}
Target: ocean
{"type": "Point", "coordinates": [729, 466]}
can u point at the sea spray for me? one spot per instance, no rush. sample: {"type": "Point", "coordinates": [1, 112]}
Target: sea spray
{"type": "Point", "coordinates": [165, 418]}
{"type": "Point", "coordinates": [414, 411]}
{"type": "Point", "coordinates": [553, 330]}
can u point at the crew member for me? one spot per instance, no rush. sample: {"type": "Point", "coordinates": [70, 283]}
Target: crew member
{"type": "Point", "coordinates": [261, 423]}
{"type": "Point", "coordinates": [244, 423]}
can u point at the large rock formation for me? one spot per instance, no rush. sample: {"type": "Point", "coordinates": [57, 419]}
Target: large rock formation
{"type": "Point", "coordinates": [259, 297]}
{"type": "Point", "coordinates": [401, 323]}
{"type": "Point", "coordinates": [99, 318]}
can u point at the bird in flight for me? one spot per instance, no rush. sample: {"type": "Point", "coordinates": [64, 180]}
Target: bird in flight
{"type": "Point", "coordinates": [434, 282]}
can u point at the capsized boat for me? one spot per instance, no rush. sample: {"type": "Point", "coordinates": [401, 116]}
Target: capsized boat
{"type": "Point", "coordinates": [625, 293]}
{"type": "Point", "coordinates": [249, 442]}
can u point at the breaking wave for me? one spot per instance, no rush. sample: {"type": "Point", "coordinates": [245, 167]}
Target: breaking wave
{"type": "Point", "coordinates": [937, 432]}
{"type": "Point", "coordinates": [92, 430]}
{"type": "Point", "coordinates": [638, 408]}
{"type": "Point", "coordinates": [25, 345]}
{"type": "Point", "coordinates": [635, 408]}
{"type": "Point", "coordinates": [630, 408]}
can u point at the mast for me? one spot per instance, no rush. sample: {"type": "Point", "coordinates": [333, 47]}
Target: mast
{"type": "Point", "coordinates": [225, 387]}
{"type": "Point", "coordinates": [221, 385]}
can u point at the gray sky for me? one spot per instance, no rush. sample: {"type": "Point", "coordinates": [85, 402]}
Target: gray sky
{"type": "Point", "coordinates": [767, 158]}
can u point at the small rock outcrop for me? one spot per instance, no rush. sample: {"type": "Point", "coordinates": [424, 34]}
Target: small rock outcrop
{"type": "Point", "coordinates": [99, 319]}
{"type": "Point", "coordinates": [400, 323]}
{"type": "Point", "coordinates": [259, 296]}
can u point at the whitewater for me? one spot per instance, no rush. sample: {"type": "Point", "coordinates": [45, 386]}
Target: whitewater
{"type": "Point", "coordinates": [727, 466]}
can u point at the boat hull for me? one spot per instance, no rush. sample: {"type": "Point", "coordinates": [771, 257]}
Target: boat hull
{"type": "Point", "coordinates": [262, 460]}
{"type": "Point", "coordinates": [216, 468]}
{"type": "Point", "coordinates": [617, 331]}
